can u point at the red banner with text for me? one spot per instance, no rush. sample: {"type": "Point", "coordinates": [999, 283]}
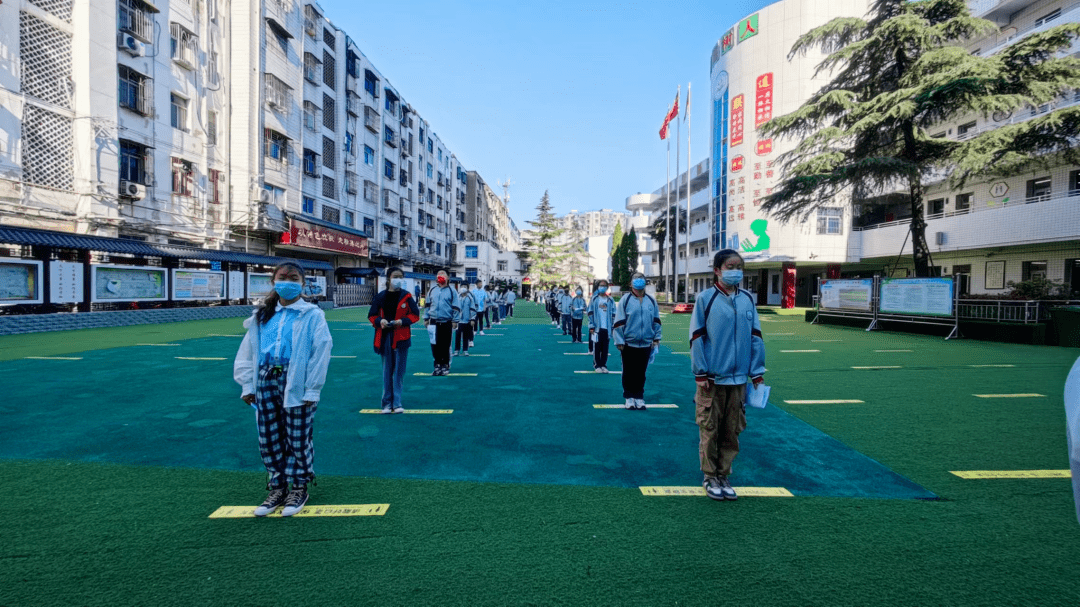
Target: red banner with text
{"type": "Point", "coordinates": [736, 120]}
{"type": "Point", "coordinates": [304, 234]}
{"type": "Point", "coordinates": [763, 99]}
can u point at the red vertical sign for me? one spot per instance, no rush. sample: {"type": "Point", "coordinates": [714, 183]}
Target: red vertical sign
{"type": "Point", "coordinates": [736, 120]}
{"type": "Point", "coordinates": [763, 99]}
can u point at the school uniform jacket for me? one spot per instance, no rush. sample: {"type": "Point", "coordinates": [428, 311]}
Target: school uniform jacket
{"type": "Point", "coordinates": [637, 321]}
{"type": "Point", "coordinates": [406, 311]}
{"type": "Point", "coordinates": [311, 345]}
{"type": "Point", "coordinates": [442, 304]}
{"type": "Point", "coordinates": [577, 307]}
{"type": "Point", "coordinates": [601, 319]}
{"type": "Point", "coordinates": [728, 347]}
{"type": "Point", "coordinates": [469, 308]}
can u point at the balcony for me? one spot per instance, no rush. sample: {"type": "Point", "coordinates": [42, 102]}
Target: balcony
{"type": "Point", "coordinates": [353, 105]}
{"type": "Point", "coordinates": [371, 119]}
{"type": "Point", "coordinates": [391, 139]}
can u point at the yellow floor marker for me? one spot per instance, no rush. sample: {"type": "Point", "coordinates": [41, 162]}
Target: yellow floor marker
{"type": "Point", "coordinates": [595, 373]}
{"type": "Point", "coordinates": [343, 510]}
{"type": "Point", "coordinates": [980, 474]}
{"type": "Point", "coordinates": [823, 402]}
{"type": "Point", "coordinates": [53, 358]}
{"type": "Point", "coordinates": [893, 350]}
{"type": "Point", "coordinates": [686, 353]}
{"type": "Point", "coordinates": [199, 358]}
{"type": "Point", "coordinates": [664, 406]}
{"type": "Point", "coordinates": [799, 351]}
{"type": "Point", "coordinates": [413, 411]}
{"type": "Point", "coordinates": [981, 366]}
{"type": "Point", "coordinates": [447, 375]}
{"type": "Point", "coordinates": [342, 357]}
{"type": "Point", "coordinates": [700, 491]}
{"type": "Point", "coordinates": [1021, 395]}
{"type": "Point", "coordinates": [880, 367]}
{"type": "Point", "coordinates": [471, 355]}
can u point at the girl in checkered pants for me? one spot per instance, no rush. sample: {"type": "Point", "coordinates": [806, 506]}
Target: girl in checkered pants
{"type": "Point", "coordinates": [281, 367]}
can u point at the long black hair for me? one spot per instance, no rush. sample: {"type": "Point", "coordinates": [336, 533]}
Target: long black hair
{"type": "Point", "coordinates": [269, 305]}
{"type": "Point", "coordinates": [390, 271]}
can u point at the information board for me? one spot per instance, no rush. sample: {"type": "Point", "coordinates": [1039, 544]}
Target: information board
{"type": "Point", "coordinates": [314, 286]}
{"type": "Point", "coordinates": [847, 294]}
{"type": "Point", "coordinates": [198, 284]}
{"type": "Point", "coordinates": [20, 282]}
{"type": "Point", "coordinates": [259, 286]}
{"type": "Point", "coordinates": [65, 282]}
{"type": "Point", "coordinates": [128, 283]}
{"type": "Point", "coordinates": [236, 284]}
{"type": "Point", "coordinates": [917, 296]}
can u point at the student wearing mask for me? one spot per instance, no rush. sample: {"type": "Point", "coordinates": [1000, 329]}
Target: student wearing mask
{"type": "Point", "coordinates": [480, 296]}
{"type": "Point", "coordinates": [511, 297]}
{"type": "Point", "coordinates": [565, 308]}
{"type": "Point", "coordinates": [281, 368]}
{"type": "Point", "coordinates": [601, 320]}
{"type": "Point", "coordinates": [393, 312]}
{"type": "Point", "coordinates": [493, 303]}
{"type": "Point", "coordinates": [577, 315]}
{"type": "Point", "coordinates": [464, 320]}
{"type": "Point", "coordinates": [553, 306]}
{"type": "Point", "coordinates": [637, 332]}
{"type": "Point", "coordinates": [726, 351]}
{"type": "Point", "coordinates": [442, 308]}
{"type": "Point", "coordinates": [502, 303]}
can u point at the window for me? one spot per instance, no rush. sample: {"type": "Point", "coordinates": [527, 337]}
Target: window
{"type": "Point", "coordinates": [312, 66]}
{"type": "Point", "coordinates": [429, 170]}
{"type": "Point", "coordinates": [311, 161]}
{"type": "Point", "coordinates": [1033, 270]}
{"type": "Point", "coordinates": [182, 45]}
{"type": "Point", "coordinates": [311, 116]}
{"type": "Point", "coordinates": [278, 34]}
{"type": "Point", "coordinates": [217, 182]}
{"type": "Point", "coordinates": [438, 200]}
{"type": "Point", "coordinates": [371, 84]}
{"type": "Point", "coordinates": [328, 38]}
{"type": "Point", "coordinates": [329, 151]}
{"type": "Point", "coordinates": [183, 177]}
{"type": "Point", "coordinates": [438, 248]}
{"type": "Point", "coordinates": [277, 92]}
{"type": "Point", "coordinates": [329, 187]}
{"type": "Point", "coordinates": [938, 135]}
{"type": "Point", "coordinates": [389, 136]}
{"type": "Point", "coordinates": [471, 252]}
{"type": "Point", "coordinates": [471, 275]}
{"type": "Point", "coordinates": [352, 64]}
{"type": "Point", "coordinates": [775, 290]}
{"type": "Point", "coordinates": [133, 18]}
{"type": "Point", "coordinates": [1048, 17]}
{"type": "Point", "coordinates": [500, 265]}
{"type": "Point", "coordinates": [388, 169]}
{"type": "Point", "coordinates": [211, 127]}
{"type": "Point", "coordinates": [370, 191]}
{"type": "Point", "coordinates": [369, 226]}
{"type": "Point", "coordinates": [135, 91]}
{"type": "Point", "coordinates": [963, 202]}
{"type": "Point", "coordinates": [178, 116]}
{"type": "Point", "coordinates": [934, 207]}
{"type": "Point", "coordinates": [329, 112]}
{"type": "Point", "coordinates": [388, 233]}
{"type": "Point", "coordinates": [369, 155]}
{"type": "Point", "coordinates": [213, 73]}
{"type": "Point", "coordinates": [829, 220]}
{"type": "Point", "coordinates": [965, 131]}
{"type": "Point", "coordinates": [331, 214]}
{"type": "Point", "coordinates": [1074, 183]}
{"type": "Point", "coordinates": [391, 103]}
{"type": "Point", "coordinates": [275, 146]}
{"type": "Point", "coordinates": [352, 182]}
{"type": "Point", "coordinates": [1038, 189]}
{"type": "Point", "coordinates": [430, 145]}
{"type": "Point", "coordinates": [349, 218]}
{"type": "Point", "coordinates": [309, 205]}
{"type": "Point", "coordinates": [329, 70]}
{"type": "Point", "coordinates": [134, 162]}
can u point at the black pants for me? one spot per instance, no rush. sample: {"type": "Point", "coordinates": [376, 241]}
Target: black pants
{"type": "Point", "coordinates": [600, 349]}
{"type": "Point", "coordinates": [634, 363]}
{"type": "Point", "coordinates": [481, 318]}
{"type": "Point", "coordinates": [575, 329]}
{"type": "Point", "coordinates": [464, 333]}
{"type": "Point", "coordinates": [509, 310]}
{"type": "Point", "coordinates": [440, 350]}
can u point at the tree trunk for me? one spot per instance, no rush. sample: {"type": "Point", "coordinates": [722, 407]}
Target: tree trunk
{"type": "Point", "coordinates": [920, 252]}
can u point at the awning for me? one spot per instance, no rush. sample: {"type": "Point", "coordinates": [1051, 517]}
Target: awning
{"type": "Point", "coordinates": [420, 276]}
{"type": "Point", "coordinates": [83, 242]}
{"type": "Point", "coordinates": [278, 28]}
{"type": "Point", "coordinates": [365, 272]}
{"type": "Point", "coordinates": [327, 224]}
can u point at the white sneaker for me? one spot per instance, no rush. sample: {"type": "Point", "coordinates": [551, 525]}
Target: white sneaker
{"type": "Point", "coordinates": [640, 402]}
{"type": "Point", "coordinates": [465, 353]}
{"type": "Point", "coordinates": [481, 332]}
{"type": "Point", "coordinates": [472, 344]}
{"type": "Point", "coordinates": [629, 404]}
{"type": "Point", "coordinates": [604, 370]}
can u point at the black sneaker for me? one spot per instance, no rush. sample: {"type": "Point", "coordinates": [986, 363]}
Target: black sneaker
{"type": "Point", "coordinates": [727, 490]}
{"type": "Point", "coordinates": [275, 498]}
{"type": "Point", "coordinates": [294, 502]}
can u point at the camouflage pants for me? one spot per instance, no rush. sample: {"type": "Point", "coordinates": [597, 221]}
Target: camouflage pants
{"type": "Point", "coordinates": [720, 417]}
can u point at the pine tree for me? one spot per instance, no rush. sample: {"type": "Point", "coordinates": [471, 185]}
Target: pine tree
{"type": "Point", "coordinates": [630, 255]}
{"type": "Point", "coordinates": [545, 255]}
{"type": "Point", "coordinates": [616, 240]}
{"type": "Point", "coordinates": [864, 135]}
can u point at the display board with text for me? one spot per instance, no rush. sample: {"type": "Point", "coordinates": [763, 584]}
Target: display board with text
{"type": "Point", "coordinates": [198, 285]}
{"type": "Point", "coordinates": [128, 283]}
{"type": "Point", "coordinates": [259, 286]}
{"type": "Point", "coordinates": [20, 282]}
{"type": "Point", "coordinates": [847, 294]}
{"type": "Point", "coordinates": [917, 296]}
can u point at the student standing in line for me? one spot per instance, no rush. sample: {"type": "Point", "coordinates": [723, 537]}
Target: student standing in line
{"type": "Point", "coordinates": [601, 320]}
{"type": "Point", "coordinates": [393, 312]}
{"type": "Point", "coordinates": [442, 308]}
{"type": "Point", "coordinates": [552, 307]}
{"type": "Point", "coordinates": [480, 296]}
{"type": "Point", "coordinates": [577, 315]}
{"type": "Point", "coordinates": [565, 307]}
{"type": "Point", "coordinates": [726, 351]}
{"type": "Point", "coordinates": [281, 368]}
{"type": "Point", "coordinates": [464, 321]}
{"type": "Point", "coordinates": [493, 304]}
{"type": "Point", "coordinates": [511, 297]}
{"type": "Point", "coordinates": [637, 332]}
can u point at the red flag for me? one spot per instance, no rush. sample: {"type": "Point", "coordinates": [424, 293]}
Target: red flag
{"type": "Point", "coordinates": [672, 113]}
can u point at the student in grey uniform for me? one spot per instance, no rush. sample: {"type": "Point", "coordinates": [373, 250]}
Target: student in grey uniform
{"type": "Point", "coordinates": [637, 332]}
{"type": "Point", "coordinates": [493, 303]}
{"type": "Point", "coordinates": [440, 310]}
{"type": "Point", "coordinates": [601, 320]}
{"type": "Point", "coordinates": [726, 351]}
{"type": "Point", "coordinates": [464, 320]}
{"type": "Point", "coordinates": [511, 297]}
{"type": "Point", "coordinates": [480, 295]}
{"type": "Point", "coordinates": [577, 315]}
{"type": "Point", "coordinates": [565, 302]}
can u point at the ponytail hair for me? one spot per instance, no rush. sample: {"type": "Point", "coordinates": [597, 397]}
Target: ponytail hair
{"type": "Point", "coordinates": [269, 306]}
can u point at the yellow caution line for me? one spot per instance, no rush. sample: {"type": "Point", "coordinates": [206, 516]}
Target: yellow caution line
{"type": "Point", "coordinates": [798, 351]}
{"type": "Point", "coordinates": [977, 474]}
{"type": "Point", "coordinates": [667, 406]}
{"type": "Point", "coordinates": [700, 491]}
{"type": "Point", "coordinates": [880, 367]}
{"type": "Point", "coordinates": [198, 358]}
{"type": "Point", "coordinates": [980, 366]}
{"type": "Point", "coordinates": [157, 344]}
{"type": "Point", "coordinates": [414, 411]}
{"type": "Point", "coordinates": [1031, 395]}
{"type": "Point", "coordinates": [893, 350]}
{"type": "Point", "coordinates": [53, 358]}
{"type": "Point", "coordinates": [342, 357]}
{"type": "Point", "coordinates": [344, 510]}
{"type": "Point", "coordinates": [823, 402]}
{"type": "Point", "coordinates": [447, 375]}
{"type": "Point", "coordinates": [595, 373]}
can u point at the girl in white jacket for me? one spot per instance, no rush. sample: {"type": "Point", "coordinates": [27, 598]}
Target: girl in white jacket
{"type": "Point", "coordinates": [281, 367]}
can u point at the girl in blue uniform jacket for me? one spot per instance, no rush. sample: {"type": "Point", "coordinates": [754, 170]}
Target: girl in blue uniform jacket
{"type": "Point", "coordinates": [637, 332]}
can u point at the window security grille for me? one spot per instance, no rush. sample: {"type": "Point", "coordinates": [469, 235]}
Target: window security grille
{"type": "Point", "coordinates": [329, 188]}
{"type": "Point", "coordinates": [277, 93]}
{"type": "Point", "coordinates": [184, 45]}
{"type": "Point", "coordinates": [46, 61]}
{"type": "Point", "coordinates": [47, 148]}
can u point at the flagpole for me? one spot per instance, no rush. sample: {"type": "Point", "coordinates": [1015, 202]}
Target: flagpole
{"type": "Point", "coordinates": [689, 177]}
{"type": "Point", "coordinates": [667, 210]}
{"type": "Point", "coordinates": [675, 234]}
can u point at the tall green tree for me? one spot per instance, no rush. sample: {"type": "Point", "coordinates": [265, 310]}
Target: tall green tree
{"type": "Point", "coordinates": [662, 235]}
{"type": "Point", "coordinates": [630, 255]}
{"type": "Point", "coordinates": [546, 256]}
{"type": "Point", "coordinates": [616, 240]}
{"type": "Point", "coordinates": [900, 73]}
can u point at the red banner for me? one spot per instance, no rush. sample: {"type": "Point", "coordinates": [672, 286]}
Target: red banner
{"type": "Point", "coordinates": [764, 147]}
{"type": "Point", "coordinates": [737, 164]}
{"type": "Point", "coordinates": [763, 99]}
{"type": "Point", "coordinates": [736, 120]}
{"type": "Point", "coordinates": [303, 234]}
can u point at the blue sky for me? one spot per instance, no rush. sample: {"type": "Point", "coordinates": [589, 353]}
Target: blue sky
{"type": "Point", "coordinates": [560, 96]}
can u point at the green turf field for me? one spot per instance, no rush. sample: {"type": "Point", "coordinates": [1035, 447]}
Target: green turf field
{"type": "Point", "coordinates": [526, 494]}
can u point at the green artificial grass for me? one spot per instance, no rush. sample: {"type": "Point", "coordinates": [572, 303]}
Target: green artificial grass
{"type": "Point", "coordinates": [84, 530]}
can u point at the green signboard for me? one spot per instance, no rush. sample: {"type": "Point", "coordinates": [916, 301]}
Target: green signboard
{"type": "Point", "coordinates": [748, 27]}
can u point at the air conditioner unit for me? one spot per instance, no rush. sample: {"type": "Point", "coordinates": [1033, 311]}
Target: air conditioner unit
{"type": "Point", "coordinates": [130, 44]}
{"type": "Point", "coordinates": [221, 176]}
{"type": "Point", "coordinates": [130, 189]}
{"type": "Point", "coordinates": [263, 196]}
{"type": "Point", "coordinates": [940, 238]}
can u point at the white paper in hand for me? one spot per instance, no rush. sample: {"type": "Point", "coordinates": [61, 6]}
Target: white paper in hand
{"type": "Point", "coordinates": [595, 337]}
{"type": "Point", "coordinates": [757, 397]}
{"type": "Point", "coordinates": [652, 355]}
{"type": "Point", "coordinates": [431, 334]}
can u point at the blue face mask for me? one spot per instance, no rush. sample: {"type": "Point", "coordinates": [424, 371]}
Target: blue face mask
{"type": "Point", "coordinates": [639, 283]}
{"type": "Point", "coordinates": [399, 283]}
{"type": "Point", "coordinates": [288, 290]}
{"type": "Point", "coordinates": [602, 290]}
{"type": "Point", "coordinates": [579, 291]}
{"type": "Point", "coordinates": [731, 277]}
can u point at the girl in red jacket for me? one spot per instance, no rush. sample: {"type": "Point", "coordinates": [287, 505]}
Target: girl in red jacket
{"type": "Point", "coordinates": [392, 313]}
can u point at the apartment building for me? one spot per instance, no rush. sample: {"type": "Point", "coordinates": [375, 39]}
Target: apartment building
{"type": "Point", "coordinates": [486, 216]}
{"type": "Point", "coordinates": [594, 223]}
